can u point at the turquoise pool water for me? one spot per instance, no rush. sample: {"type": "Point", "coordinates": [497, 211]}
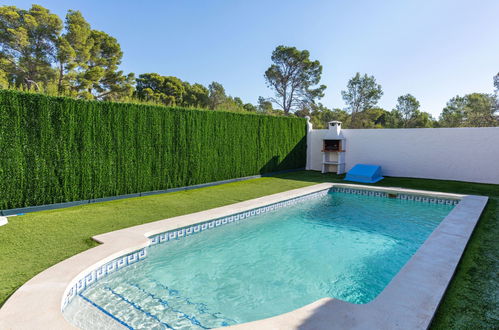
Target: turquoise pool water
{"type": "Point", "coordinates": [341, 245]}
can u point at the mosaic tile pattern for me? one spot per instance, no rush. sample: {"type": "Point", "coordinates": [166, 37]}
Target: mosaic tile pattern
{"type": "Point", "coordinates": [408, 197]}
{"type": "Point", "coordinates": [199, 227]}
{"type": "Point", "coordinates": [360, 192]}
{"type": "Point", "coordinates": [119, 263]}
{"type": "Point", "coordinates": [87, 280]}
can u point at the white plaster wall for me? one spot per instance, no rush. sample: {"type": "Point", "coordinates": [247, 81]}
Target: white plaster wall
{"type": "Point", "coordinates": [316, 146]}
{"type": "Point", "coordinates": [463, 154]}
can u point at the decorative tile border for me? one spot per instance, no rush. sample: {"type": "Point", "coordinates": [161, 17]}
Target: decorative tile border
{"type": "Point", "coordinates": [360, 192]}
{"type": "Point", "coordinates": [408, 197]}
{"type": "Point", "coordinates": [119, 263]}
{"type": "Point", "coordinates": [95, 275]}
{"type": "Point", "coordinates": [203, 226]}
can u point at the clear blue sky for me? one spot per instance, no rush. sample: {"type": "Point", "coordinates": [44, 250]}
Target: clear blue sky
{"type": "Point", "coordinates": [431, 49]}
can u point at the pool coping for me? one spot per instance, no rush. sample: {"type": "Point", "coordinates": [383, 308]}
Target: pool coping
{"type": "Point", "coordinates": [406, 302]}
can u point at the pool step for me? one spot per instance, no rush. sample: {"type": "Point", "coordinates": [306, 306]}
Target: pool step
{"type": "Point", "coordinates": [198, 313]}
{"type": "Point", "coordinates": [149, 304]}
{"type": "Point", "coordinates": [124, 311]}
{"type": "Point", "coordinates": [161, 308]}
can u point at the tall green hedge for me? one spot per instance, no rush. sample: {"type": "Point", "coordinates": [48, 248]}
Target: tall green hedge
{"type": "Point", "coordinates": [59, 149]}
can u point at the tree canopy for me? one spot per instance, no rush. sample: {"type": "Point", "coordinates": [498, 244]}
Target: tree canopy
{"type": "Point", "coordinates": [362, 94]}
{"type": "Point", "coordinates": [293, 76]}
{"type": "Point", "coordinates": [409, 115]}
{"type": "Point", "coordinates": [408, 106]}
{"type": "Point", "coordinates": [171, 91]}
{"type": "Point", "coordinates": [471, 110]}
{"type": "Point", "coordinates": [28, 44]}
{"type": "Point", "coordinates": [165, 90]}
{"type": "Point", "coordinates": [37, 50]}
{"type": "Point", "coordinates": [216, 95]}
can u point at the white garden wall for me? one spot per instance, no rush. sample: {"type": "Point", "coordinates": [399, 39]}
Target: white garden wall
{"type": "Point", "coordinates": [463, 154]}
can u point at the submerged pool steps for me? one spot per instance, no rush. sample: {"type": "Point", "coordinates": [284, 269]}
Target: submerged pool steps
{"type": "Point", "coordinates": [125, 312]}
{"type": "Point", "coordinates": [161, 306]}
{"type": "Point", "coordinates": [184, 305]}
{"type": "Point", "coordinates": [105, 311]}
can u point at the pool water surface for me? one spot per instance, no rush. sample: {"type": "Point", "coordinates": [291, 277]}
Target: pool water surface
{"type": "Point", "coordinates": [340, 245]}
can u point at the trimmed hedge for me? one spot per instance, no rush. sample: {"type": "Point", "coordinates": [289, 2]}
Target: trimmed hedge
{"type": "Point", "coordinates": [57, 149]}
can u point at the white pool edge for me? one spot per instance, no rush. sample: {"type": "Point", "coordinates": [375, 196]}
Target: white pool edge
{"type": "Point", "coordinates": [429, 271]}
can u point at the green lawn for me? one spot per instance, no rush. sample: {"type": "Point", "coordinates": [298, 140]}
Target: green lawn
{"type": "Point", "coordinates": [35, 241]}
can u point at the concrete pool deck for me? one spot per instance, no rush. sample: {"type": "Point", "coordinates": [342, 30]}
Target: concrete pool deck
{"type": "Point", "coordinates": [409, 301]}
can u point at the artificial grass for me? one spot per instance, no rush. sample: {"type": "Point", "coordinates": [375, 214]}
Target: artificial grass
{"type": "Point", "coordinates": [35, 241]}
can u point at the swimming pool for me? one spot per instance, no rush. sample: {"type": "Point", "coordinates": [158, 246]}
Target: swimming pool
{"type": "Point", "coordinates": [341, 243]}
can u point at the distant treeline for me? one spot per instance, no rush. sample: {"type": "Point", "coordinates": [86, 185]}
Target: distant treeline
{"type": "Point", "coordinates": [39, 52]}
{"type": "Point", "coordinates": [472, 110]}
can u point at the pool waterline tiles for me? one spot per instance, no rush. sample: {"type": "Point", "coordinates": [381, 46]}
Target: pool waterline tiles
{"type": "Point", "coordinates": [194, 229]}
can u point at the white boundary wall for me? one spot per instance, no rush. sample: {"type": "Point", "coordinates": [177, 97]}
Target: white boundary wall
{"type": "Point", "coordinates": [462, 154]}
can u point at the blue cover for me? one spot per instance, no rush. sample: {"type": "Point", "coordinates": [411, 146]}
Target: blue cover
{"type": "Point", "coordinates": [364, 173]}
